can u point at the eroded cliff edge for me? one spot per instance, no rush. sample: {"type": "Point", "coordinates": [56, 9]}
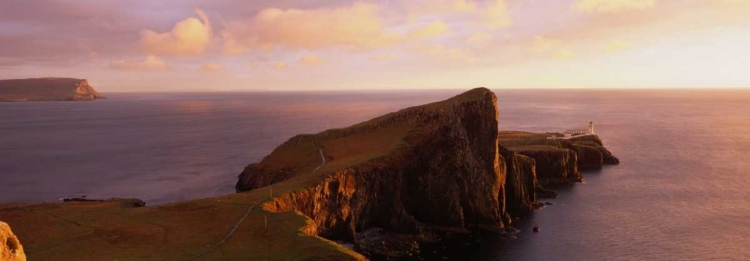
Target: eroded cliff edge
{"type": "Point", "coordinates": [436, 164]}
{"type": "Point", "coordinates": [353, 185]}
{"type": "Point", "coordinates": [433, 166]}
{"type": "Point", "coordinates": [47, 89]}
{"type": "Point", "coordinates": [559, 161]}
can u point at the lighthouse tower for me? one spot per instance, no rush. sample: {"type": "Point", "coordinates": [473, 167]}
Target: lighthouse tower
{"type": "Point", "coordinates": [591, 127]}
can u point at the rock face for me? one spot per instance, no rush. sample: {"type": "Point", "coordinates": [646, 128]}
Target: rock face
{"type": "Point", "coordinates": [595, 142]}
{"type": "Point", "coordinates": [400, 177]}
{"type": "Point", "coordinates": [47, 89]}
{"type": "Point", "coordinates": [10, 247]}
{"type": "Point", "coordinates": [588, 157]}
{"type": "Point", "coordinates": [555, 167]}
{"type": "Point", "coordinates": [521, 183]}
{"type": "Point", "coordinates": [446, 172]}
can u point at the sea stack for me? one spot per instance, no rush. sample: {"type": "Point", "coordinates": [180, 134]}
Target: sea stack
{"type": "Point", "coordinates": [47, 89]}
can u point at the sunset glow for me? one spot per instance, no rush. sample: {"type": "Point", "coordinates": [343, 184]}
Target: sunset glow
{"type": "Point", "coordinates": [202, 45]}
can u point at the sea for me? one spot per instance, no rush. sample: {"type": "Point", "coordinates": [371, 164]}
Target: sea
{"type": "Point", "coordinates": [682, 191]}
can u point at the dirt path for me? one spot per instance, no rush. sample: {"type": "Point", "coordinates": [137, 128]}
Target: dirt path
{"type": "Point", "coordinates": [237, 225]}
{"type": "Point", "coordinates": [322, 158]}
{"type": "Point", "coordinates": [230, 232]}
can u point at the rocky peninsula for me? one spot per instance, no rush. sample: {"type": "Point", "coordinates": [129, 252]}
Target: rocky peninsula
{"type": "Point", "coordinates": [393, 174]}
{"type": "Point", "coordinates": [379, 189]}
{"type": "Point", "coordinates": [47, 89]}
{"type": "Point", "coordinates": [558, 161]}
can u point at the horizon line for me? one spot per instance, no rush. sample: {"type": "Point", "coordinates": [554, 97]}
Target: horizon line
{"type": "Point", "coordinates": [450, 89]}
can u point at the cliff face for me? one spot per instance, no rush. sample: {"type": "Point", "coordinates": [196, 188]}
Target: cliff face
{"type": "Point", "coordinates": [10, 247]}
{"type": "Point", "coordinates": [521, 183]}
{"type": "Point", "coordinates": [588, 157]}
{"type": "Point", "coordinates": [385, 184]}
{"type": "Point", "coordinates": [595, 142]}
{"type": "Point", "coordinates": [47, 89]}
{"type": "Point", "coordinates": [444, 169]}
{"type": "Point", "coordinates": [555, 167]}
{"type": "Point", "coordinates": [406, 173]}
{"type": "Point", "coordinates": [558, 161]}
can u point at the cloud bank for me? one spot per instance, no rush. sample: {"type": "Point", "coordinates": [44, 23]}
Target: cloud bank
{"type": "Point", "coordinates": [151, 63]}
{"type": "Point", "coordinates": [188, 37]}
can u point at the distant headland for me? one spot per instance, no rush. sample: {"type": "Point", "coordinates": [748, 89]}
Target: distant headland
{"type": "Point", "coordinates": [47, 89]}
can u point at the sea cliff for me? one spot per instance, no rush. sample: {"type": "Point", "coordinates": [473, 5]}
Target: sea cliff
{"type": "Point", "coordinates": [441, 165]}
{"type": "Point", "coordinates": [381, 189]}
{"type": "Point", "coordinates": [521, 183]}
{"type": "Point", "coordinates": [559, 161]}
{"type": "Point", "coordinates": [397, 172]}
{"type": "Point", "coordinates": [47, 89]}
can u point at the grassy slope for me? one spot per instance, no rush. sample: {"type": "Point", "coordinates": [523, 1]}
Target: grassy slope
{"type": "Point", "coordinates": [179, 231]}
{"type": "Point", "coordinates": [105, 231]}
{"type": "Point", "coordinates": [525, 141]}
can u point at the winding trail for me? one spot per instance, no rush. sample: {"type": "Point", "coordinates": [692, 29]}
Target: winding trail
{"type": "Point", "coordinates": [230, 232]}
{"type": "Point", "coordinates": [237, 225]}
{"type": "Point", "coordinates": [322, 158]}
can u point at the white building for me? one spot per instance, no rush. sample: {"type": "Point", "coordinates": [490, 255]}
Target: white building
{"type": "Point", "coordinates": [570, 133]}
{"type": "Point", "coordinates": [578, 132]}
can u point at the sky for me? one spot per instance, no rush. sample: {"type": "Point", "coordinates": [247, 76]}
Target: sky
{"type": "Point", "coordinates": [235, 45]}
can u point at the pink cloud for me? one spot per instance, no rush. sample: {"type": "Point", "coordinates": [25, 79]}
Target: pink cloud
{"type": "Point", "coordinates": [432, 30]}
{"type": "Point", "coordinates": [151, 63]}
{"type": "Point", "coordinates": [280, 65]}
{"type": "Point", "coordinates": [212, 68]}
{"type": "Point", "coordinates": [612, 6]}
{"type": "Point", "coordinates": [188, 37]}
{"type": "Point", "coordinates": [357, 26]}
{"type": "Point", "coordinates": [312, 60]}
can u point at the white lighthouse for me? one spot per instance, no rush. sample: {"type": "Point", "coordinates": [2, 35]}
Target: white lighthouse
{"type": "Point", "coordinates": [591, 127]}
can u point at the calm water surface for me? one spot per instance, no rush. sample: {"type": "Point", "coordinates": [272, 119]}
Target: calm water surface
{"type": "Point", "coordinates": [681, 192]}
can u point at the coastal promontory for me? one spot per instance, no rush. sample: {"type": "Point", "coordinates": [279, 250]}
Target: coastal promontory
{"type": "Point", "coordinates": [436, 165]}
{"type": "Point", "coordinates": [47, 89]}
{"type": "Point", "coordinates": [383, 189]}
{"type": "Point", "coordinates": [418, 170]}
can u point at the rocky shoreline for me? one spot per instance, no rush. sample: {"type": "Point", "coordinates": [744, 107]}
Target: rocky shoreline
{"type": "Point", "coordinates": [397, 187]}
{"type": "Point", "coordinates": [456, 174]}
{"type": "Point", "coordinates": [561, 165]}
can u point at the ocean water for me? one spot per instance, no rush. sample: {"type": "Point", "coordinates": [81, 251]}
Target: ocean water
{"type": "Point", "coordinates": [681, 192]}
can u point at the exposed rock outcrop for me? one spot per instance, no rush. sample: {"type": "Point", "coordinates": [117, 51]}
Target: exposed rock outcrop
{"type": "Point", "coordinates": [436, 167]}
{"type": "Point", "coordinates": [387, 186]}
{"type": "Point", "coordinates": [10, 248]}
{"type": "Point", "coordinates": [588, 157]}
{"type": "Point", "coordinates": [445, 171]}
{"type": "Point", "coordinates": [555, 166]}
{"type": "Point", "coordinates": [47, 89]}
{"type": "Point", "coordinates": [595, 142]}
{"type": "Point", "coordinates": [521, 183]}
